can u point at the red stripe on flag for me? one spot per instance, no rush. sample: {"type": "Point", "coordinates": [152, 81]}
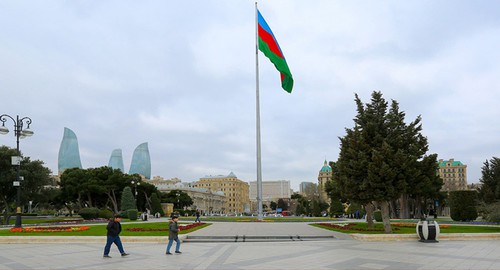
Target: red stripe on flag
{"type": "Point", "coordinates": [270, 41]}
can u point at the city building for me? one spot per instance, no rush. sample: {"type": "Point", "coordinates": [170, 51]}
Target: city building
{"type": "Point", "coordinates": [325, 174]}
{"type": "Point", "coordinates": [208, 202]}
{"type": "Point", "coordinates": [272, 191]}
{"type": "Point", "coordinates": [236, 191]}
{"type": "Point", "coordinates": [454, 175]}
{"type": "Point", "coordinates": [308, 189]}
{"type": "Point", "coordinates": [69, 153]}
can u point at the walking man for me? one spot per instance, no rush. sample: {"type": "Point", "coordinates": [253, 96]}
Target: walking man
{"type": "Point", "coordinates": [114, 228]}
{"type": "Point", "coordinates": [173, 235]}
{"type": "Point", "coordinates": [197, 216]}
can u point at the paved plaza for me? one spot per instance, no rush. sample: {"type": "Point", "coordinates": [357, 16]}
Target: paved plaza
{"type": "Point", "coordinates": [336, 252]}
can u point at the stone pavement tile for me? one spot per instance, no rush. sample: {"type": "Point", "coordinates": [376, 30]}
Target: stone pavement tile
{"type": "Point", "coordinates": [326, 254]}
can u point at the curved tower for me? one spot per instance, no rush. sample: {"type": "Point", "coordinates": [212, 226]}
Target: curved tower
{"type": "Point", "coordinates": [116, 160]}
{"type": "Point", "coordinates": [141, 162]}
{"type": "Point", "coordinates": [69, 153]}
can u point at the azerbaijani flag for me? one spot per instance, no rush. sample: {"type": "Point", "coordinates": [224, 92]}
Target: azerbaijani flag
{"type": "Point", "coordinates": [269, 46]}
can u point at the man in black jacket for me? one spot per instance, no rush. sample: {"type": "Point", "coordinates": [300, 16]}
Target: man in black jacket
{"type": "Point", "coordinates": [114, 228]}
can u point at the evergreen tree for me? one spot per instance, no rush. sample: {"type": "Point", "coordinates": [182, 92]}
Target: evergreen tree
{"type": "Point", "coordinates": [156, 205]}
{"type": "Point", "coordinates": [282, 204]}
{"type": "Point", "coordinates": [128, 201]}
{"type": "Point", "coordinates": [336, 208]}
{"type": "Point", "coordinates": [490, 181]}
{"type": "Point", "coordinates": [379, 156]}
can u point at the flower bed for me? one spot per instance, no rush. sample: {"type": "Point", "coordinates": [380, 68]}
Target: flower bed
{"type": "Point", "coordinates": [50, 229]}
{"type": "Point", "coordinates": [352, 227]}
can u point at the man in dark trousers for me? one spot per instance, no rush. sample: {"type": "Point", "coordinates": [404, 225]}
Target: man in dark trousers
{"type": "Point", "coordinates": [173, 235]}
{"type": "Point", "coordinates": [114, 228]}
{"type": "Point", "coordinates": [197, 216]}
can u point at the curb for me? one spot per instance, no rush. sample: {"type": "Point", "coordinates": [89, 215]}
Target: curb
{"type": "Point", "coordinates": [414, 237]}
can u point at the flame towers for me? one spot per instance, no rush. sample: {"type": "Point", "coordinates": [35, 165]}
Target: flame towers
{"type": "Point", "coordinates": [69, 156]}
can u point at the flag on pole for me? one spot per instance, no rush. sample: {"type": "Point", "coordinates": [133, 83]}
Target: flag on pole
{"type": "Point", "coordinates": [269, 46]}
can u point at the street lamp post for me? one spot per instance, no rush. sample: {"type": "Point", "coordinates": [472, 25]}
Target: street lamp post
{"type": "Point", "coordinates": [135, 183]}
{"type": "Point", "coordinates": [20, 133]}
{"type": "Point", "coordinates": [178, 194]}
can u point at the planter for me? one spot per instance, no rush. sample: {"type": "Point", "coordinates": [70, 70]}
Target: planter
{"type": "Point", "coordinates": [428, 231]}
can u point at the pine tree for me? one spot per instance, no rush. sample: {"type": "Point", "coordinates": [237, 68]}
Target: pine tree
{"type": "Point", "coordinates": [490, 181]}
{"type": "Point", "coordinates": [380, 156]}
{"type": "Point", "coordinates": [128, 201]}
{"type": "Point", "coordinates": [156, 205]}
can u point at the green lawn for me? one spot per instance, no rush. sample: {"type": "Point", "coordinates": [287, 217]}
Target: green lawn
{"type": "Point", "coordinates": [362, 227]}
{"type": "Point", "coordinates": [399, 226]}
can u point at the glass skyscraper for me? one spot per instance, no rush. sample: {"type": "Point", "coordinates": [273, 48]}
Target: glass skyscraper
{"type": "Point", "coordinates": [116, 160]}
{"type": "Point", "coordinates": [69, 153]}
{"type": "Point", "coordinates": [141, 162]}
{"type": "Point", "coordinates": [69, 156]}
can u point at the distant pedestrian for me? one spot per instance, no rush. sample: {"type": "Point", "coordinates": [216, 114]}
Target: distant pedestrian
{"type": "Point", "coordinates": [197, 216]}
{"type": "Point", "coordinates": [173, 235]}
{"type": "Point", "coordinates": [113, 236]}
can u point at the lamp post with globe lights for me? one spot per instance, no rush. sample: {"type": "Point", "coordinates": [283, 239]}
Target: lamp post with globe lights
{"type": "Point", "coordinates": [20, 132]}
{"type": "Point", "coordinates": [135, 183]}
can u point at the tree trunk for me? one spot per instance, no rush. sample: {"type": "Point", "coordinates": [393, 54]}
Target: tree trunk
{"type": "Point", "coordinates": [112, 198]}
{"type": "Point", "coordinates": [386, 219]}
{"type": "Point", "coordinates": [148, 200]}
{"type": "Point", "coordinates": [404, 211]}
{"type": "Point", "coordinates": [70, 210]}
{"type": "Point", "coordinates": [89, 199]}
{"type": "Point", "coordinates": [369, 208]}
{"type": "Point", "coordinates": [6, 214]}
{"type": "Point", "coordinates": [418, 208]}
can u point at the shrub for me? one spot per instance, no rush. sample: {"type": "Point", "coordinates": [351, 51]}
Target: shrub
{"type": "Point", "coordinates": [132, 214]}
{"type": "Point", "coordinates": [377, 215]}
{"type": "Point", "coordinates": [105, 213]}
{"type": "Point", "coordinates": [463, 205]}
{"type": "Point", "coordinates": [89, 213]}
{"type": "Point", "coordinates": [491, 213]}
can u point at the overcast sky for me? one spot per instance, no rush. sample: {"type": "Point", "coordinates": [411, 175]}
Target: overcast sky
{"type": "Point", "coordinates": [180, 75]}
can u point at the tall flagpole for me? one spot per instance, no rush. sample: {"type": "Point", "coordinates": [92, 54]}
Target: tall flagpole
{"type": "Point", "coordinates": [259, 165]}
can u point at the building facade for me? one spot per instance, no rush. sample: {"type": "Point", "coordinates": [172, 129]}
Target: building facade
{"type": "Point", "coordinates": [207, 201]}
{"type": "Point", "coordinates": [325, 174]}
{"type": "Point", "coordinates": [308, 189]}
{"type": "Point", "coordinates": [236, 191]}
{"type": "Point", "coordinates": [454, 175]}
{"type": "Point", "coordinates": [272, 191]}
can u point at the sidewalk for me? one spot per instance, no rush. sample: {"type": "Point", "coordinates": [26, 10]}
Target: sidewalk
{"type": "Point", "coordinates": [335, 253]}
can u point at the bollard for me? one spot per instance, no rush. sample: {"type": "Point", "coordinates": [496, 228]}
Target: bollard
{"type": "Point", "coordinates": [428, 231]}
